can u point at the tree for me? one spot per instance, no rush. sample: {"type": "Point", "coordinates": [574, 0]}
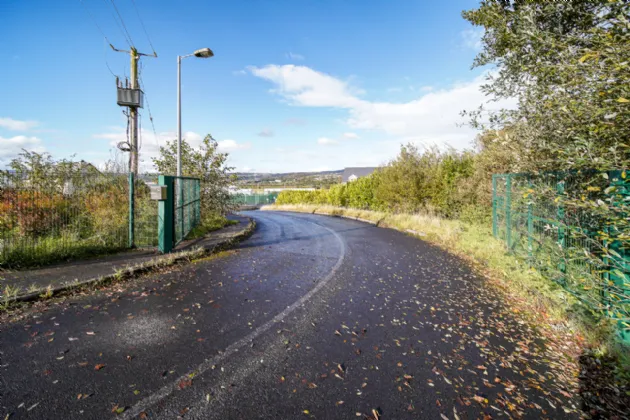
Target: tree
{"type": "Point", "coordinates": [568, 65]}
{"type": "Point", "coordinates": [205, 163]}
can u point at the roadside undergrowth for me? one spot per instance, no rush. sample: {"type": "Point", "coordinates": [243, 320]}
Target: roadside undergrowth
{"type": "Point", "coordinates": [539, 299]}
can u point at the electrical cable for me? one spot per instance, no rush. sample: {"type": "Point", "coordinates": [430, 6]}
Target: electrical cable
{"type": "Point", "coordinates": [146, 97]}
{"type": "Point", "coordinates": [139, 132]}
{"type": "Point", "coordinates": [121, 20]}
{"type": "Point", "coordinates": [143, 27]}
{"type": "Point", "coordinates": [127, 39]}
{"type": "Point", "coordinates": [105, 57]}
{"type": "Point", "coordinates": [94, 21]}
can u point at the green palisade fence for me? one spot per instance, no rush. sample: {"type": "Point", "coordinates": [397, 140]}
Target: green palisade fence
{"type": "Point", "coordinates": [530, 213]}
{"type": "Point", "coordinates": [255, 199]}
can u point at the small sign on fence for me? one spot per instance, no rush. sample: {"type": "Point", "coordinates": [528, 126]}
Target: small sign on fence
{"type": "Point", "coordinates": [158, 192]}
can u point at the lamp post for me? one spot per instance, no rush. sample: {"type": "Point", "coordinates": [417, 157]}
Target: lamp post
{"type": "Point", "coordinates": [202, 53]}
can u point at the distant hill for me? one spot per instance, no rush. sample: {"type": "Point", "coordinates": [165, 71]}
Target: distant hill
{"type": "Point", "coordinates": [310, 179]}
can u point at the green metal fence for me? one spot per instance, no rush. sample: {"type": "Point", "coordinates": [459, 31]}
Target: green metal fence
{"type": "Point", "coordinates": [75, 211]}
{"type": "Point", "coordinates": [255, 199]}
{"type": "Point", "coordinates": [49, 216]}
{"type": "Point", "coordinates": [145, 210]}
{"type": "Point", "coordinates": [180, 212]}
{"type": "Point", "coordinates": [547, 219]}
{"type": "Point", "coordinates": [187, 206]}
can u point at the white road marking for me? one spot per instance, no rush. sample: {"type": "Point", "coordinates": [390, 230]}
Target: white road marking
{"type": "Point", "coordinates": [167, 390]}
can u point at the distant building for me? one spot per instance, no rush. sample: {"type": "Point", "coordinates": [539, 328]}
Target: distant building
{"type": "Point", "coordinates": [352, 174]}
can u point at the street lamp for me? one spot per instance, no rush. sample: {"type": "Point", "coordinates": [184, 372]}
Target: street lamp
{"type": "Point", "coordinates": [202, 53]}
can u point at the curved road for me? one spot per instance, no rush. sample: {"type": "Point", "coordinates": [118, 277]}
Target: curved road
{"type": "Point", "coordinates": [312, 317]}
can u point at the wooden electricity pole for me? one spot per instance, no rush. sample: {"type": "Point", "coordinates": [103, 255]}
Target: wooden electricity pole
{"type": "Point", "coordinates": [133, 102]}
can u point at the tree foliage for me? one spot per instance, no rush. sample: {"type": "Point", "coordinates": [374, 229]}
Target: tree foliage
{"type": "Point", "coordinates": [205, 163]}
{"type": "Point", "coordinates": [568, 66]}
{"type": "Point", "coordinates": [433, 181]}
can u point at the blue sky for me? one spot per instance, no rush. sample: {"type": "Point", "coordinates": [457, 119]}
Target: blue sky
{"type": "Point", "coordinates": [294, 84]}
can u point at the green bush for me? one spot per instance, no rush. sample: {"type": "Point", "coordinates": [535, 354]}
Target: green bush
{"type": "Point", "coordinates": [434, 181]}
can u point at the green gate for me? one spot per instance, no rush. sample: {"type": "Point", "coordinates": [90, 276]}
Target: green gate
{"type": "Point", "coordinates": [575, 246]}
{"type": "Point", "coordinates": [180, 212]}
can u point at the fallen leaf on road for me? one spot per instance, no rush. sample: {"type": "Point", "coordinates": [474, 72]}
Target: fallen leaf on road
{"type": "Point", "coordinates": [99, 366]}
{"type": "Point", "coordinates": [184, 383]}
{"type": "Point", "coordinates": [480, 400]}
{"type": "Point", "coordinates": [118, 410]}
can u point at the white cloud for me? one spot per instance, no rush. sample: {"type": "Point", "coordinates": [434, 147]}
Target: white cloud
{"type": "Point", "coordinates": [325, 141]}
{"type": "Point", "coordinates": [229, 145]}
{"type": "Point", "coordinates": [307, 87]}
{"type": "Point", "coordinates": [267, 132]}
{"type": "Point", "coordinates": [350, 135]}
{"type": "Point", "coordinates": [433, 118]}
{"type": "Point", "coordinates": [10, 147]}
{"type": "Point", "coordinates": [17, 125]}
{"type": "Point", "coordinates": [293, 56]}
{"type": "Point", "coordinates": [472, 38]}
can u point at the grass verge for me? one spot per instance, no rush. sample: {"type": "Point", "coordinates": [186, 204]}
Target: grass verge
{"type": "Point", "coordinates": [209, 225]}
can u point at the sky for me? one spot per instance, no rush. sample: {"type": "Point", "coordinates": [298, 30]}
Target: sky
{"type": "Point", "coordinates": [295, 85]}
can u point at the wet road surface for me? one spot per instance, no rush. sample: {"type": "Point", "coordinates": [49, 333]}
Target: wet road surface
{"type": "Point", "coordinates": [312, 317]}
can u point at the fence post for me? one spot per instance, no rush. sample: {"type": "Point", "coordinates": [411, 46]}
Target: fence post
{"type": "Point", "coordinates": [621, 261]}
{"type": "Point", "coordinates": [132, 199]}
{"type": "Point", "coordinates": [495, 227]}
{"type": "Point", "coordinates": [530, 220]}
{"type": "Point", "coordinates": [561, 230]}
{"type": "Point", "coordinates": [508, 211]}
{"type": "Point", "coordinates": [166, 210]}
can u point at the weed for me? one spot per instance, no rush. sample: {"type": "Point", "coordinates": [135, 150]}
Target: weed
{"type": "Point", "coordinates": [47, 293]}
{"type": "Point", "coordinates": [8, 294]}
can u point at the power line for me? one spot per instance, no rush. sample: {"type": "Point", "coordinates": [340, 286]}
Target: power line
{"type": "Point", "coordinates": [94, 21]}
{"type": "Point", "coordinates": [127, 39]}
{"type": "Point", "coordinates": [106, 62]}
{"type": "Point", "coordinates": [143, 27]}
{"type": "Point", "coordinates": [121, 20]}
{"type": "Point", "coordinates": [146, 97]}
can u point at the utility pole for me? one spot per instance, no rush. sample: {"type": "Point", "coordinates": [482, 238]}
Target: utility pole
{"type": "Point", "coordinates": [133, 98]}
{"type": "Point", "coordinates": [133, 116]}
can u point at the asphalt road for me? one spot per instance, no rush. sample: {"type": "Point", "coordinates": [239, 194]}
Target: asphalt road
{"type": "Point", "coordinates": [312, 317]}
